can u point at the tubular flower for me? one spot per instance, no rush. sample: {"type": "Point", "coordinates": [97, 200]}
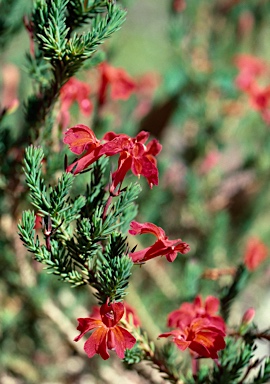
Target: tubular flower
{"type": "Point", "coordinates": [107, 334]}
{"type": "Point", "coordinates": [188, 311]}
{"type": "Point", "coordinates": [255, 254]}
{"type": "Point", "coordinates": [162, 247]}
{"type": "Point", "coordinates": [200, 336]}
{"type": "Point", "coordinates": [120, 82]}
{"type": "Point", "coordinates": [134, 155]}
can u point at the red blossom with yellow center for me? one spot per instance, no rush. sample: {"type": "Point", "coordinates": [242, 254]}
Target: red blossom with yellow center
{"type": "Point", "coordinates": [188, 311]}
{"type": "Point", "coordinates": [200, 336]}
{"type": "Point", "coordinates": [107, 334]}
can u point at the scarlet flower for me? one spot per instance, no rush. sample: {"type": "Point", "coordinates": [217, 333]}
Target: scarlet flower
{"type": "Point", "coordinates": [107, 334]}
{"type": "Point", "coordinates": [162, 247]}
{"type": "Point", "coordinates": [188, 311]}
{"type": "Point", "coordinates": [250, 67]}
{"type": "Point", "coordinates": [178, 5]}
{"type": "Point", "coordinates": [120, 82]}
{"type": "Point", "coordinates": [255, 254]}
{"type": "Point", "coordinates": [200, 336]}
{"type": "Point", "coordinates": [259, 97]}
{"type": "Point", "coordinates": [74, 91]}
{"type": "Point", "coordinates": [134, 155]}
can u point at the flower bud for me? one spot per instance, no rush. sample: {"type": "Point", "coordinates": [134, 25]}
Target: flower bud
{"type": "Point", "coordinates": [178, 5]}
{"type": "Point", "coordinates": [246, 321]}
{"type": "Point", "coordinates": [248, 316]}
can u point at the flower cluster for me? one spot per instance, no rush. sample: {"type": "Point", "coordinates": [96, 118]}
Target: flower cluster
{"type": "Point", "coordinates": [107, 334]}
{"type": "Point", "coordinates": [134, 154]}
{"type": "Point", "coordinates": [250, 69]}
{"type": "Point", "coordinates": [198, 327]}
{"type": "Point", "coordinates": [162, 247]}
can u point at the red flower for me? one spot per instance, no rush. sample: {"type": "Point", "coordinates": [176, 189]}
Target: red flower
{"type": "Point", "coordinates": [259, 97]}
{"type": "Point", "coordinates": [250, 67]}
{"type": "Point", "coordinates": [162, 247]}
{"type": "Point", "coordinates": [121, 83]}
{"type": "Point", "coordinates": [188, 311]}
{"type": "Point", "coordinates": [255, 254]}
{"type": "Point", "coordinates": [107, 334]}
{"type": "Point", "coordinates": [134, 155]}
{"type": "Point", "coordinates": [74, 91]}
{"type": "Point", "coordinates": [201, 336]}
{"type": "Point", "coordinates": [178, 5]}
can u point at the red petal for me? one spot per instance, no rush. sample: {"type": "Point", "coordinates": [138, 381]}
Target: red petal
{"type": "Point", "coordinates": [97, 343]}
{"type": "Point", "coordinates": [78, 137]}
{"type": "Point", "coordinates": [202, 350]}
{"type": "Point", "coordinates": [211, 305]}
{"type": "Point", "coordinates": [112, 314]}
{"type": "Point", "coordinates": [119, 144]}
{"type": "Point", "coordinates": [139, 256]}
{"type": "Point", "coordinates": [153, 147]}
{"type": "Point", "coordinates": [140, 228]}
{"type": "Point", "coordinates": [182, 247]}
{"type": "Point", "coordinates": [122, 85]}
{"type": "Point", "coordinates": [86, 325]}
{"type": "Point", "coordinates": [89, 158]}
{"type": "Point", "coordinates": [123, 340]}
{"type": "Point", "coordinates": [171, 256]}
{"type": "Point", "coordinates": [142, 137]}
{"type": "Point", "coordinates": [124, 165]}
{"type": "Point", "coordinates": [109, 136]}
{"type": "Point", "coordinates": [149, 170]}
